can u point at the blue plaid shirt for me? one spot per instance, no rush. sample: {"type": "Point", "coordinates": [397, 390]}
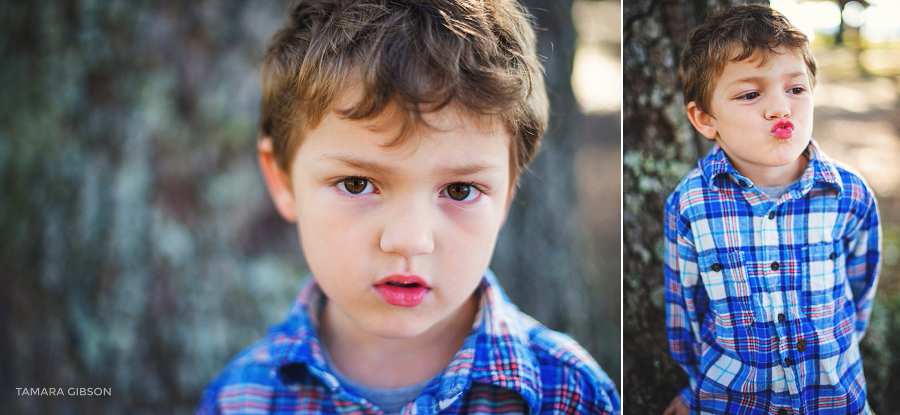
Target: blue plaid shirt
{"type": "Point", "coordinates": [508, 364]}
{"type": "Point", "coordinates": [766, 300]}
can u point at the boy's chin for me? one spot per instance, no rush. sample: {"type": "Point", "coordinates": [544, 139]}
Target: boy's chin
{"type": "Point", "coordinates": [413, 325]}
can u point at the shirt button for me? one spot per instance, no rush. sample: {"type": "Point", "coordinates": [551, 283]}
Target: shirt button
{"type": "Point", "coordinates": [772, 215]}
{"type": "Point", "coordinates": [716, 267]}
{"type": "Point", "coordinates": [832, 256]}
{"type": "Point", "coordinates": [801, 345]}
{"type": "Point", "coordinates": [781, 317]}
{"type": "Point", "coordinates": [774, 266]}
{"type": "Point", "coordinates": [782, 411]}
{"type": "Point", "coordinates": [788, 362]}
{"type": "Point", "coordinates": [743, 183]}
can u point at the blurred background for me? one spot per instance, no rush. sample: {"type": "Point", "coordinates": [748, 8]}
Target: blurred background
{"type": "Point", "coordinates": [138, 248]}
{"type": "Point", "coordinates": [857, 121]}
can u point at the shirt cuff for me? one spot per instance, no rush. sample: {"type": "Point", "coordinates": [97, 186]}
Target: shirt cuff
{"type": "Point", "coordinates": [687, 396]}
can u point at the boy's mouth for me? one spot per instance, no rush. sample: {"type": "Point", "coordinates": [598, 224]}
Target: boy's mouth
{"type": "Point", "coordinates": [398, 284]}
{"type": "Point", "coordinates": [402, 290]}
{"type": "Point", "coordinates": [783, 129]}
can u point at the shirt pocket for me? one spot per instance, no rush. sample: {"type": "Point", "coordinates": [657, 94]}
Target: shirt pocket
{"type": "Point", "coordinates": [728, 287]}
{"type": "Point", "coordinates": [727, 359]}
{"type": "Point", "coordinates": [828, 300]}
{"type": "Point", "coordinates": [826, 283]}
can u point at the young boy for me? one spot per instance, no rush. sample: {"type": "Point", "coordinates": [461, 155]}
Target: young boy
{"type": "Point", "coordinates": [393, 133]}
{"type": "Point", "coordinates": [772, 248]}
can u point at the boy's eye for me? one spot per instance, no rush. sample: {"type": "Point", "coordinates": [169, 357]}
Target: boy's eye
{"type": "Point", "coordinates": [462, 191]}
{"type": "Point", "coordinates": [797, 90]}
{"type": "Point", "coordinates": [749, 95]}
{"type": "Point", "coordinates": [355, 185]}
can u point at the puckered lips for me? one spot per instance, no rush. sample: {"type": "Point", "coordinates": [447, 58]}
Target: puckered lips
{"type": "Point", "coordinates": [783, 128]}
{"type": "Point", "coordinates": [402, 290]}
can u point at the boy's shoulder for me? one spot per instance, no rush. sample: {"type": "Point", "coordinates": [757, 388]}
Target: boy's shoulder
{"type": "Point", "coordinates": [569, 379]}
{"type": "Point", "coordinates": [692, 189]}
{"type": "Point", "coordinates": [837, 175]}
{"type": "Point", "coordinates": [851, 182]}
{"type": "Point", "coordinates": [702, 181]}
{"type": "Point", "coordinates": [566, 368]}
{"type": "Point", "coordinates": [263, 372]}
{"type": "Point", "coordinates": [249, 377]}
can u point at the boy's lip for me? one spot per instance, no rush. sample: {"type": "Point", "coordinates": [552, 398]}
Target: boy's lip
{"type": "Point", "coordinates": [402, 290]}
{"type": "Point", "coordinates": [782, 128]}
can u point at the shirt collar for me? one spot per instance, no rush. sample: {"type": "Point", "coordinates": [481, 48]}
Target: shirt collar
{"type": "Point", "coordinates": [820, 169]}
{"type": "Point", "coordinates": [495, 352]}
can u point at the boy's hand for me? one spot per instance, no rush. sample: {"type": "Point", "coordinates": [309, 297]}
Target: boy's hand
{"type": "Point", "coordinates": [677, 407]}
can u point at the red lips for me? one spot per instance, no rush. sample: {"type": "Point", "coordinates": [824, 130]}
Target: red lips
{"type": "Point", "coordinates": [402, 290]}
{"type": "Point", "coordinates": [783, 128]}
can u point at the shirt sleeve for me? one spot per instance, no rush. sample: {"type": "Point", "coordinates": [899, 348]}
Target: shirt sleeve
{"type": "Point", "coordinates": [681, 276]}
{"type": "Point", "coordinates": [863, 263]}
{"type": "Point", "coordinates": [208, 404]}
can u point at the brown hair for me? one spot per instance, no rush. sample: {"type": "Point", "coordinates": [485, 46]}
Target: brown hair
{"type": "Point", "coordinates": [732, 35]}
{"type": "Point", "coordinates": [419, 55]}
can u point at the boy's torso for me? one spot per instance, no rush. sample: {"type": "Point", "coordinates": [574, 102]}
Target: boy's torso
{"type": "Point", "coordinates": [508, 364]}
{"type": "Point", "coordinates": [775, 312]}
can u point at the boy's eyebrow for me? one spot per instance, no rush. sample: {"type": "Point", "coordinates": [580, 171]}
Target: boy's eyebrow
{"type": "Point", "coordinates": [385, 169]}
{"type": "Point", "coordinates": [760, 79]}
{"type": "Point", "coordinates": [467, 169]}
{"type": "Point", "coordinates": [359, 163]}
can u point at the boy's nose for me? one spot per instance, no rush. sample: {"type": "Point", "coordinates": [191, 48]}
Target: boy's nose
{"type": "Point", "coordinates": [408, 231]}
{"type": "Point", "coordinates": [778, 108]}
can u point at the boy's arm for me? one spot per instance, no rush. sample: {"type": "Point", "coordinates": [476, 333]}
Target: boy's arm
{"type": "Point", "coordinates": [864, 263]}
{"type": "Point", "coordinates": [681, 277]}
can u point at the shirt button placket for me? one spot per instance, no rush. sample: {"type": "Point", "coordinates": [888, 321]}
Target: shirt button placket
{"type": "Point", "coordinates": [787, 362]}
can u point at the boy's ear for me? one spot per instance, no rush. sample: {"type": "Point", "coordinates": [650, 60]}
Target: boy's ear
{"type": "Point", "coordinates": [702, 121]}
{"type": "Point", "coordinates": [277, 180]}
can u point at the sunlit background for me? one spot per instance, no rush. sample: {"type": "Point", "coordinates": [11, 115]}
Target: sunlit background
{"type": "Point", "coordinates": [857, 121]}
{"type": "Point", "coordinates": [597, 78]}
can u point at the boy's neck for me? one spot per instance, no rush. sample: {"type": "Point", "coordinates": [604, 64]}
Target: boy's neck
{"type": "Point", "coordinates": [773, 176]}
{"type": "Point", "coordinates": [380, 362]}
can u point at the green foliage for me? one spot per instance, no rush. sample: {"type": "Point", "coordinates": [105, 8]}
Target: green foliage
{"type": "Point", "coordinates": [879, 349]}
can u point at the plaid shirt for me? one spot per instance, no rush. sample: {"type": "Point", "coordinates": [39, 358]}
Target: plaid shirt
{"type": "Point", "coordinates": [508, 364]}
{"type": "Point", "coordinates": [766, 300]}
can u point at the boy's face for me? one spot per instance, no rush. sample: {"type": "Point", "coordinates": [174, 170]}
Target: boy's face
{"type": "Point", "coordinates": [761, 116]}
{"type": "Point", "coordinates": [398, 237]}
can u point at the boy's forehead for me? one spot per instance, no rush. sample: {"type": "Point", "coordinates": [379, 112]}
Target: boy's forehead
{"type": "Point", "coordinates": [444, 140]}
{"type": "Point", "coordinates": [390, 122]}
{"type": "Point", "coordinates": [735, 66]}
